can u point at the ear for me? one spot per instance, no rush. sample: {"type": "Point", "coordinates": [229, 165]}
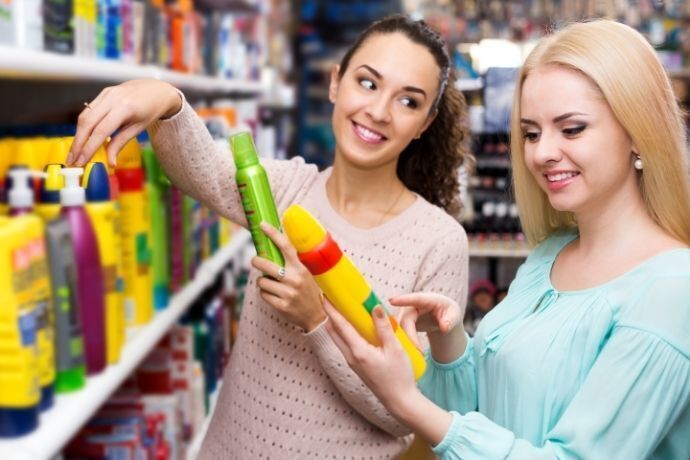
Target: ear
{"type": "Point", "coordinates": [429, 120]}
{"type": "Point", "coordinates": [335, 82]}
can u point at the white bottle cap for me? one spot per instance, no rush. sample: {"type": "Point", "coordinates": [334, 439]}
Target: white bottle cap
{"type": "Point", "coordinates": [72, 194]}
{"type": "Point", "coordinates": [20, 195]}
{"type": "Point", "coordinates": [501, 209]}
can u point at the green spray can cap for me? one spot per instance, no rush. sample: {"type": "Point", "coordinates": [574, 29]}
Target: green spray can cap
{"type": "Point", "coordinates": [243, 150]}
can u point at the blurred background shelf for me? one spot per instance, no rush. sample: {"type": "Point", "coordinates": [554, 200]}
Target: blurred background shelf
{"type": "Point", "coordinates": [59, 424]}
{"type": "Point", "coordinates": [16, 63]}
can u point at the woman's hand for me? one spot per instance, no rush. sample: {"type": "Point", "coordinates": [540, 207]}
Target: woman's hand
{"type": "Point", "coordinates": [128, 108]}
{"type": "Point", "coordinates": [385, 369]}
{"type": "Point", "coordinates": [427, 312]}
{"type": "Point", "coordinates": [295, 295]}
{"type": "Point", "coordinates": [437, 315]}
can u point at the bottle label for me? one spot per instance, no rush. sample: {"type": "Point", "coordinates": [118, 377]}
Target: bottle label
{"type": "Point", "coordinates": [27, 328]}
{"type": "Point", "coordinates": [253, 220]}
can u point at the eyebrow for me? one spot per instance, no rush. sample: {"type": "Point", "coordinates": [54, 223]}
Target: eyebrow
{"type": "Point", "coordinates": [565, 116]}
{"type": "Point", "coordinates": [377, 74]}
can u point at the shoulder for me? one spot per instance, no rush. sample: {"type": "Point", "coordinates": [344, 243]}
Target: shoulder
{"type": "Point", "coordinates": [550, 247]}
{"type": "Point", "coordinates": [442, 231]}
{"type": "Point", "coordinates": [655, 297]}
{"type": "Point", "coordinates": [436, 217]}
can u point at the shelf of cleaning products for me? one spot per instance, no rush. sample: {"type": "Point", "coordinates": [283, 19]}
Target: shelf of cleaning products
{"type": "Point", "coordinates": [70, 412]}
{"type": "Point", "coordinates": [41, 65]}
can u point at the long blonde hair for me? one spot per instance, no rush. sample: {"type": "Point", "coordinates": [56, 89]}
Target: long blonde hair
{"type": "Point", "coordinates": [628, 74]}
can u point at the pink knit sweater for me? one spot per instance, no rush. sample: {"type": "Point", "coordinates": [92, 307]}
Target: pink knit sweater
{"type": "Point", "coordinates": [286, 394]}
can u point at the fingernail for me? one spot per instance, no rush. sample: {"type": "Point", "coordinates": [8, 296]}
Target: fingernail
{"type": "Point", "coordinates": [378, 311]}
{"type": "Point", "coordinates": [69, 158]}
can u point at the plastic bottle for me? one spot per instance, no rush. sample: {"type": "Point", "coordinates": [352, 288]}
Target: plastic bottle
{"type": "Point", "coordinates": [257, 199]}
{"type": "Point", "coordinates": [157, 185]}
{"type": "Point", "coordinates": [102, 211]}
{"type": "Point", "coordinates": [20, 199]}
{"type": "Point", "coordinates": [19, 382]}
{"type": "Point", "coordinates": [69, 346]}
{"type": "Point", "coordinates": [340, 281]}
{"type": "Point", "coordinates": [177, 242]}
{"type": "Point", "coordinates": [136, 239]}
{"type": "Point", "coordinates": [69, 342]}
{"type": "Point", "coordinates": [48, 204]}
{"type": "Point", "coordinates": [90, 294]}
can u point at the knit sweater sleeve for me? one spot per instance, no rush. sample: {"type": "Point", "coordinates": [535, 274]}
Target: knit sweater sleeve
{"type": "Point", "coordinates": [204, 170]}
{"type": "Point", "coordinates": [350, 386]}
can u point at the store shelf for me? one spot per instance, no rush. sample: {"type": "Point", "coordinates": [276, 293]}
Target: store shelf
{"type": "Point", "coordinates": [40, 65]}
{"type": "Point", "coordinates": [469, 84]}
{"type": "Point", "coordinates": [61, 423]}
{"type": "Point", "coordinates": [195, 445]}
{"type": "Point", "coordinates": [499, 250]}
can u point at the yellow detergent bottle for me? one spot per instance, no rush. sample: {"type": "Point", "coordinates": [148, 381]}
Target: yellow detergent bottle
{"type": "Point", "coordinates": [19, 380]}
{"type": "Point", "coordinates": [340, 281]}
{"type": "Point", "coordinates": [101, 211]}
{"type": "Point", "coordinates": [20, 199]}
{"type": "Point", "coordinates": [136, 240]}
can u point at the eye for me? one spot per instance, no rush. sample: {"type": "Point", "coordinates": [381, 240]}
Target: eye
{"type": "Point", "coordinates": [574, 131]}
{"type": "Point", "coordinates": [366, 83]}
{"type": "Point", "coordinates": [410, 102]}
{"type": "Point", "coordinates": [530, 136]}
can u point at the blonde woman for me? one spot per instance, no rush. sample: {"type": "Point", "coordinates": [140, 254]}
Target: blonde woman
{"type": "Point", "coordinates": [588, 356]}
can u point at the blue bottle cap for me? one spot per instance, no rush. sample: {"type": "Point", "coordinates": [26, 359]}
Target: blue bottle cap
{"type": "Point", "coordinates": [47, 397]}
{"type": "Point", "coordinates": [96, 182]}
{"type": "Point", "coordinates": [15, 422]}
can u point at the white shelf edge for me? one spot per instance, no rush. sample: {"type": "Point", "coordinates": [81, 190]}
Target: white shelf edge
{"type": "Point", "coordinates": [499, 252]}
{"type": "Point", "coordinates": [194, 446]}
{"type": "Point", "coordinates": [43, 65]}
{"type": "Point", "coordinates": [469, 84]}
{"type": "Point", "coordinates": [59, 424]}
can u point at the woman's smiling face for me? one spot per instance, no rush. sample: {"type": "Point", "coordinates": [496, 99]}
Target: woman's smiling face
{"type": "Point", "coordinates": [383, 100]}
{"type": "Point", "coordinates": [574, 146]}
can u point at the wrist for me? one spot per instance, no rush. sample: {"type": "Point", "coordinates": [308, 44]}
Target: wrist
{"type": "Point", "coordinates": [446, 348]}
{"type": "Point", "coordinates": [174, 105]}
{"type": "Point", "coordinates": [314, 323]}
{"type": "Point", "coordinates": [425, 418]}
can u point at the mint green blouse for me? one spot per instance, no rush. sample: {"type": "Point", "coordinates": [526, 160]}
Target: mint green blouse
{"type": "Point", "coordinates": [599, 373]}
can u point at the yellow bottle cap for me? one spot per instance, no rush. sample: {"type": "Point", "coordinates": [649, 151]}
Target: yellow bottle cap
{"type": "Point", "coordinates": [302, 229]}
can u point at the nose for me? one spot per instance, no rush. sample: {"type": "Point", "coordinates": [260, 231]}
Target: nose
{"type": "Point", "coordinates": [379, 109]}
{"type": "Point", "coordinates": [547, 148]}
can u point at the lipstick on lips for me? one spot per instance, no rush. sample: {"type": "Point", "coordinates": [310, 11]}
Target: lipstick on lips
{"type": "Point", "coordinates": [340, 281]}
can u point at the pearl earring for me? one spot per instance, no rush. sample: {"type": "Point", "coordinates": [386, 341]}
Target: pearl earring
{"type": "Point", "coordinates": [638, 163]}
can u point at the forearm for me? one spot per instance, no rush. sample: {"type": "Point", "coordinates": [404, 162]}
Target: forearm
{"type": "Point", "coordinates": [195, 164]}
{"type": "Point", "coordinates": [423, 417]}
{"type": "Point", "coordinates": [350, 385]}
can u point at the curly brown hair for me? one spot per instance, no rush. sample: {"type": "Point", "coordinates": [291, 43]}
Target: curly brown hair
{"type": "Point", "coordinates": [429, 165]}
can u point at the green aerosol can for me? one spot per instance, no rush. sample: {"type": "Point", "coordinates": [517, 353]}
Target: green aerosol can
{"type": "Point", "coordinates": [257, 199]}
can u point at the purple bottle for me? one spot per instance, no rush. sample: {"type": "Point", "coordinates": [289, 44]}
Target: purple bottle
{"type": "Point", "coordinates": [90, 292]}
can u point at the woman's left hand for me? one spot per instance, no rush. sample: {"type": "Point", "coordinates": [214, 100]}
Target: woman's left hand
{"type": "Point", "coordinates": [385, 369]}
{"type": "Point", "coordinates": [295, 295]}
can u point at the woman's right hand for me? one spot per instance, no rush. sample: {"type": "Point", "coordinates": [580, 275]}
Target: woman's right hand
{"type": "Point", "coordinates": [435, 314]}
{"type": "Point", "coordinates": [128, 108]}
